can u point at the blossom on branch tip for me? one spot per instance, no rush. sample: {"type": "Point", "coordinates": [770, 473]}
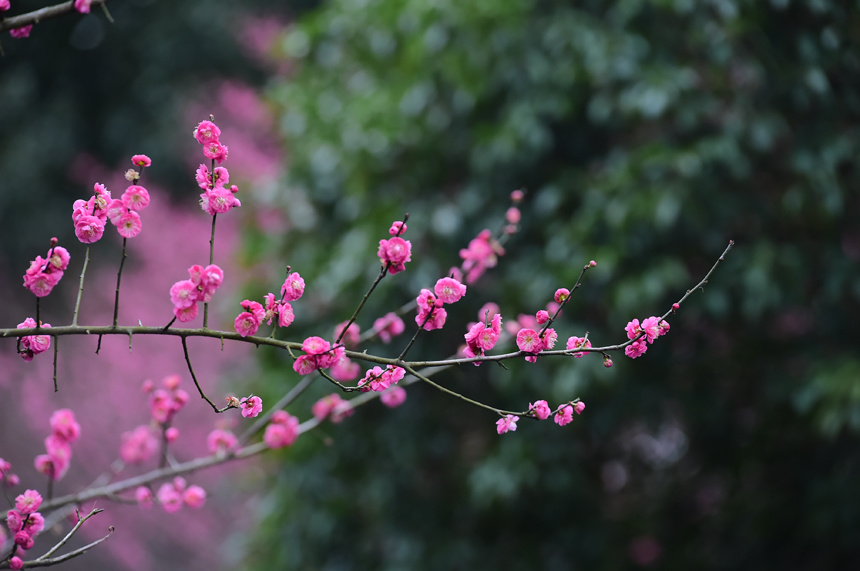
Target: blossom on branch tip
{"type": "Point", "coordinates": [293, 288]}
{"type": "Point", "coordinates": [252, 406]}
{"type": "Point", "coordinates": [83, 6]}
{"type": "Point", "coordinates": [579, 407]}
{"type": "Point", "coordinates": [206, 131]}
{"type": "Point", "coordinates": [141, 160]}
{"type": "Point", "coordinates": [507, 424]}
{"type": "Point", "coordinates": [395, 252]}
{"type": "Point", "coordinates": [398, 228]}
{"type": "Point", "coordinates": [216, 151]}
{"type": "Point", "coordinates": [16, 563]}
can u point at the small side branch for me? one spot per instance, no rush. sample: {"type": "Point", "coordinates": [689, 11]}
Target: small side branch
{"type": "Point", "coordinates": [37, 16]}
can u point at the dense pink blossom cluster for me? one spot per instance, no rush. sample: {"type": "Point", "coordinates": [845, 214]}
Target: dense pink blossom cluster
{"type": "Point", "coordinates": [200, 287]}
{"type": "Point", "coordinates": [64, 431]}
{"type": "Point", "coordinates": [173, 495]}
{"type": "Point", "coordinates": [483, 335]}
{"type": "Point", "coordinates": [332, 407]}
{"type": "Point", "coordinates": [319, 354]}
{"type": "Point", "coordinates": [644, 334]}
{"type": "Point", "coordinates": [249, 321]}
{"type": "Point", "coordinates": [483, 252]}
{"type": "Point", "coordinates": [216, 198]}
{"type": "Point", "coordinates": [45, 273]}
{"type": "Point", "coordinates": [379, 379]}
{"type": "Point", "coordinates": [251, 406]}
{"type": "Point", "coordinates": [431, 315]}
{"type": "Point", "coordinates": [91, 216]}
{"type": "Point", "coordinates": [541, 410]}
{"type": "Point", "coordinates": [24, 523]}
{"type": "Point", "coordinates": [532, 342]}
{"type": "Point", "coordinates": [32, 345]}
{"type": "Point", "coordinates": [282, 431]}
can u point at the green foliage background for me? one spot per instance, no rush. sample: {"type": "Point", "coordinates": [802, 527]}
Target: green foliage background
{"type": "Point", "coordinates": [647, 134]}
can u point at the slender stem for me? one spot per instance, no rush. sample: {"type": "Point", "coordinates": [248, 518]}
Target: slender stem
{"type": "Point", "coordinates": [69, 535]}
{"type": "Point", "coordinates": [417, 332]}
{"type": "Point", "coordinates": [56, 353]}
{"type": "Point", "coordinates": [37, 16]}
{"type": "Point", "coordinates": [193, 376]}
{"type": "Point", "coordinates": [81, 286]}
{"type": "Point", "coordinates": [211, 258]}
{"type": "Point", "coordinates": [118, 280]}
{"type": "Point", "coordinates": [458, 395]}
{"type": "Point", "coordinates": [382, 273]}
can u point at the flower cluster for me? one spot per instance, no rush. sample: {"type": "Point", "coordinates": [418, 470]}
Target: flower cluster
{"type": "Point", "coordinates": [32, 345]}
{"type": "Point", "coordinates": [319, 355]}
{"type": "Point", "coordinates": [431, 314]}
{"type": "Point", "coordinates": [24, 522]}
{"type": "Point", "coordinates": [379, 379]}
{"type": "Point", "coordinates": [332, 407]}
{"type": "Point", "coordinates": [541, 410]}
{"type": "Point", "coordinates": [172, 495]}
{"type": "Point", "coordinates": [578, 343]}
{"type": "Point", "coordinates": [395, 252]}
{"type": "Point", "coordinates": [216, 198]}
{"type": "Point", "coordinates": [530, 341]}
{"type": "Point", "coordinates": [282, 431]}
{"type": "Point", "coordinates": [644, 334]}
{"type": "Point", "coordinates": [186, 293]}
{"type": "Point", "coordinates": [483, 252]}
{"type": "Point", "coordinates": [64, 431]}
{"type": "Point", "coordinates": [482, 336]}
{"type": "Point", "coordinates": [91, 216]}
{"type": "Point", "coordinates": [45, 273]}
{"type": "Point", "coordinates": [249, 321]}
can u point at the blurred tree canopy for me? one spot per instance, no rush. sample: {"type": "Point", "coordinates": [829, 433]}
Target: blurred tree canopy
{"type": "Point", "coordinates": [647, 134]}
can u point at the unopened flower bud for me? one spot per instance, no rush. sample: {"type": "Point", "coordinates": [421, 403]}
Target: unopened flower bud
{"type": "Point", "coordinates": [233, 402]}
{"type": "Point", "coordinates": [607, 361]}
{"type": "Point", "coordinates": [517, 196]}
{"type": "Point", "coordinates": [579, 407]}
{"type": "Point", "coordinates": [592, 264]}
{"type": "Point", "coordinates": [675, 307]}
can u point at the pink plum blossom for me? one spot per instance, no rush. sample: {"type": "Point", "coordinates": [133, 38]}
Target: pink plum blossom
{"type": "Point", "coordinates": [28, 502]}
{"type": "Point", "coordinates": [579, 407]}
{"type": "Point", "coordinates": [194, 497]}
{"type": "Point", "coordinates": [32, 345]}
{"type": "Point", "coordinates": [135, 198]}
{"type": "Point", "coordinates": [221, 440]}
{"type": "Point", "coordinates": [282, 431]}
{"type": "Point", "coordinates": [541, 409]}
{"type": "Point", "coordinates": [393, 397]}
{"type": "Point", "coordinates": [83, 6]}
{"type": "Point", "coordinates": [293, 288]}
{"type": "Point", "coordinates": [22, 32]}
{"type": "Point", "coordinates": [216, 151]}
{"type": "Point", "coordinates": [507, 424]}
{"type": "Point", "coordinates": [578, 343]}
{"type": "Point", "coordinates": [564, 415]}
{"type": "Point", "coordinates": [252, 406]}
{"type": "Point", "coordinates": [206, 131]}
{"type": "Point", "coordinates": [64, 425]}
{"type": "Point", "coordinates": [388, 326]}
{"type": "Point", "coordinates": [129, 224]}
{"type": "Point", "coordinates": [141, 160]}
{"type": "Point", "coordinates": [144, 497]}
{"type": "Point", "coordinates": [394, 253]}
{"type": "Point", "coordinates": [138, 445]}
{"type": "Point", "coordinates": [169, 498]}
{"type": "Point", "coordinates": [449, 290]}
{"type": "Point", "coordinates": [636, 349]}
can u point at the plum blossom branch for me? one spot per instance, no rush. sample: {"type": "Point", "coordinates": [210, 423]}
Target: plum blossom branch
{"type": "Point", "coordinates": [46, 13]}
{"type": "Point", "coordinates": [62, 542]}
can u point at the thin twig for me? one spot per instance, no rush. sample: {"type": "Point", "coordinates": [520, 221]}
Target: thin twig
{"type": "Point", "coordinates": [69, 535]}
{"type": "Point", "coordinates": [81, 286]}
{"type": "Point", "coordinates": [37, 16]}
{"type": "Point", "coordinates": [118, 279]}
